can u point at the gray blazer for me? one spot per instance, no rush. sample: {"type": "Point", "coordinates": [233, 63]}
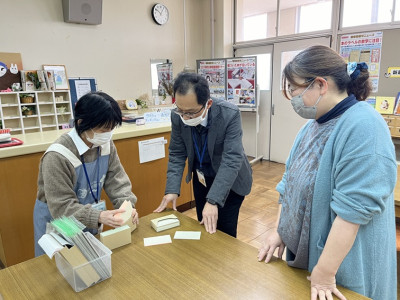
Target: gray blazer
{"type": "Point", "coordinates": [233, 171]}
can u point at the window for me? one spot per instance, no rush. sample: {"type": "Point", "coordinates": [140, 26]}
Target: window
{"type": "Point", "coordinates": [304, 16]}
{"type": "Point", "coordinates": [318, 13]}
{"type": "Point", "coordinates": [397, 12]}
{"type": "Point", "coordinates": [365, 12]}
{"type": "Point", "coordinates": [263, 71]}
{"type": "Point", "coordinates": [255, 19]}
{"type": "Point", "coordinates": [255, 27]}
{"type": "Point", "coordinates": [154, 78]}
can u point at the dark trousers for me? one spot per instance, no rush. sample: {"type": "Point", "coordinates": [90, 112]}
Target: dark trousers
{"type": "Point", "coordinates": [227, 215]}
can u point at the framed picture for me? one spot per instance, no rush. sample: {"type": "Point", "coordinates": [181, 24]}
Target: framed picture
{"type": "Point", "coordinates": [397, 105]}
{"type": "Point", "coordinates": [385, 105]}
{"type": "Point", "coordinates": [60, 76]}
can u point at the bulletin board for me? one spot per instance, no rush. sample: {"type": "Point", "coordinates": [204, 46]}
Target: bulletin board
{"type": "Point", "coordinates": [80, 86]}
{"type": "Point", "coordinates": [231, 79]}
{"type": "Point", "coordinates": [389, 58]}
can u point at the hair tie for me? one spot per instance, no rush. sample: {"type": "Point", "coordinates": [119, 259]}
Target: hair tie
{"type": "Point", "coordinates": [354, 69]}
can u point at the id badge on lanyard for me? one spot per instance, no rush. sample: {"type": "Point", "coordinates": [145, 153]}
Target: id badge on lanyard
{"type": "Point", "coordinates": [201, 177]}
{"type": "Point", "coordinates": [200, 174]}
{"type": "Point", "coordinates": [101, 205]}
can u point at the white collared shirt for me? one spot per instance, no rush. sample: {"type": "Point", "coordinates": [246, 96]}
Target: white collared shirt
{"type": "Point", "coordinates": [205, 122]}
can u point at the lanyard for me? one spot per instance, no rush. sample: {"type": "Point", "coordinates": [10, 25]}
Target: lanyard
{"type": "Point", "coordinates": [96, 199]}
{"type": "Point", "coordinates": [200, 158]}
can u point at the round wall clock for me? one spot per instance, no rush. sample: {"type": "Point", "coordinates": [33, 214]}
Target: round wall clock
{"type": "Point", "coordinates": [160, 14]}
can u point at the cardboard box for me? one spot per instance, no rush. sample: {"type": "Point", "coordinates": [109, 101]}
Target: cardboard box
{"type": "Point", "coordinates": [117, 237]}
{"type": "Point", "coordinates": [164, 223]}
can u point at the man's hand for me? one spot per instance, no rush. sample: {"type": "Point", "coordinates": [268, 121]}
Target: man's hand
{"type": "Point", "coordinates": [210, 217]}
{"type": "Point", "coordinates": [165, 200]}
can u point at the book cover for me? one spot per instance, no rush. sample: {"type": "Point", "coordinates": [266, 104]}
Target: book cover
{"type": "Point", "coordinates": [42, 80]}
{"type": "Point", "coordinates": [397, 105]}
{"type": "Point", "coordinates": [385, 105]}
{"type": "Point", "coordinates": [371, 101]}
{"type": "Point", "coordinates": [49, 76]}
{"type": "Point", "coordinates": [30, 80]}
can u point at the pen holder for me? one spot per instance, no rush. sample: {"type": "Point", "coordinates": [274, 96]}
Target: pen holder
{"type": "Point", "coordinates": [80, 272]}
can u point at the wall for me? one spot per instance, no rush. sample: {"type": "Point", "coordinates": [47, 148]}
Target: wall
{"type": "Point", "coordinates": [117, 52]}
{"type": "Point", "coordinates": [223, 27]}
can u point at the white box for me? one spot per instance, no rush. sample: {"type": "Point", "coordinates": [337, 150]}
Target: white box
{"type": "Point", "coordinates": [164, 223]}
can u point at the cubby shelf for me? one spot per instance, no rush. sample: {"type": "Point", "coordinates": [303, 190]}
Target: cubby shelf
{"type": "Point", "coordinates": [45, 108]}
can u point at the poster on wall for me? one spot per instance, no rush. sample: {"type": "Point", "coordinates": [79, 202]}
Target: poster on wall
{"type": "Point", "coordinates": [10, 67]}
{"type": "Point", "coordinates": [80, 86]}
{"type": "Point", "coordinates": [364, 47]}
{"type": "Point", "coordinates": [241, 80]}
{"type": "Point", "coordinates": [165, 77]}
{"type": "Point", "coordinates": [214, 71]}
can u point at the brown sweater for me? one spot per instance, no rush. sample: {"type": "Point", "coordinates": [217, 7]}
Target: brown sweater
{"type": "Point", "coordinates": [57, 179]}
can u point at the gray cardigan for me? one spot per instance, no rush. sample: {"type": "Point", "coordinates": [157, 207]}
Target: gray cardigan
{"type": "Point", "coordinates": [233, 171]}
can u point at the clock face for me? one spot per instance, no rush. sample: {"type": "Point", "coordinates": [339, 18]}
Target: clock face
{"type": "Point", "coordinates": [160, 14]}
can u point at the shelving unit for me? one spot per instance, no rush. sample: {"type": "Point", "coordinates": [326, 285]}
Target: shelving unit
{"type": "Point", "coordinates": [51, 110]}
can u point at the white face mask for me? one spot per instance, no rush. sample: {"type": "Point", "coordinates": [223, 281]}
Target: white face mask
{"type": "Point", "coordinates": [195, 121]}
{"type": "Point", "coordinates": [100, 138]}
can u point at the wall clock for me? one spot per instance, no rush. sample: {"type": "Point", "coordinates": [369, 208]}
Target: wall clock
{"type": "Point", "coordinates": [160, 14]}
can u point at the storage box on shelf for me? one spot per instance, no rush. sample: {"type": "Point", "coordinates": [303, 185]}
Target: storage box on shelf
{"type": "Point", "coordinates": [35, 111]}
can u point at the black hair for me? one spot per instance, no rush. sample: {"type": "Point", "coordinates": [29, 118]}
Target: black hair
{"type": "Point", "coordinates": [96, 109]}
{"type": "Point", "coordinates": [192, 82]}
{"type": "Point", "coordinates": [322, 61]}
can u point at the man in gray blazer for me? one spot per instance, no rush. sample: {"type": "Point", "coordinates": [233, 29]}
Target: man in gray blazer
{"type": "Point", "coordinates": [208, 134]}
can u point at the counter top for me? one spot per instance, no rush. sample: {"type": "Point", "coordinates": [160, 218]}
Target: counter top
{"type": "Point", "coordinates": [40, 141]}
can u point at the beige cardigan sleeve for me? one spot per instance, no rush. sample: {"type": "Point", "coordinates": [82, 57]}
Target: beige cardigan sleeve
{"type": "Point", "coordinates": [59, 179]}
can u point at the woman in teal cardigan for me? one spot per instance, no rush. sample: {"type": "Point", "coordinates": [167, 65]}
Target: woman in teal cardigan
{"type": "Point", "coordinates": [336, 213]}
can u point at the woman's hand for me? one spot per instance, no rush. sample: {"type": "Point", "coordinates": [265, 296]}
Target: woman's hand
{"type": "Point", "coordinates": [272, 242]}
{"type": "Point", "coordinates": [107, 217]}
{"type": "Point", "coordinates": [323, 285]}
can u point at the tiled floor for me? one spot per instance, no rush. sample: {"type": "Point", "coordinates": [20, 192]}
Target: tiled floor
{"type": "Point", "coordinates": [259, 209]}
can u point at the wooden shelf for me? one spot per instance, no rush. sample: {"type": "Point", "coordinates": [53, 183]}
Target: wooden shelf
{"type": "Point", "coordinates": [45, 108]}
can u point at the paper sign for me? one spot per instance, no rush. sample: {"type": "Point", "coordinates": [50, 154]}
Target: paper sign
{"type": "Point", "coordinates": [157, 240]}
{"type": "Point", "coordinates": [150, 150]}
{"type": "Point", "coordinates": [187, 235]}
{"type": "Point", "coordinates": [82, 88]}
{"type": "Point", "coordinates": [157, 116]}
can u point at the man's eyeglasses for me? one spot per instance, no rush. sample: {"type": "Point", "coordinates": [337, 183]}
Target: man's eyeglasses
{"type": "Point", "coordinates": [190, 115]}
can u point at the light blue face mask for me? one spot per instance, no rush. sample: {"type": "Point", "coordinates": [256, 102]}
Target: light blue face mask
{"type": "Point", "coordinates": [306, 112]}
